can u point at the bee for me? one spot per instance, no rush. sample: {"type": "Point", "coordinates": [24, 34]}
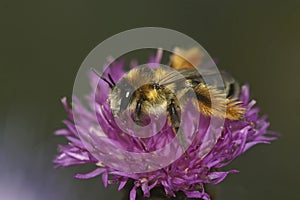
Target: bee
{"type": "Point", "coordinates": [145, 91]}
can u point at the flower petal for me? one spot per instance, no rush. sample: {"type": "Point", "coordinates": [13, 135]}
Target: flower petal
{"type": "Point", "coordinates": [105, 179]}
{"type": "Point", "coordinates": [122, 185]}
{"type": "Point", "coordinates": [92, 174]}
{"type": "Point", "coordinates": [217, 177]}
{"type": "Point", "coordinates": [133, 193]}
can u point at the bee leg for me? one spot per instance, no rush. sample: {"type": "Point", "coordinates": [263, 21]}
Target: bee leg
{"type": "Point", "coordinates": [174, 118]}
{"type": "Point", "coordinates": [248, 121]}
{"type": "Point", "coordinates": [174, 121]}
{"type": "Point", "coordinates": [137, 115]}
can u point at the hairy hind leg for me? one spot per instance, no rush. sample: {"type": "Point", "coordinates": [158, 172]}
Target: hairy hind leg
{"type": "Point", "coordinates": [174, 121]}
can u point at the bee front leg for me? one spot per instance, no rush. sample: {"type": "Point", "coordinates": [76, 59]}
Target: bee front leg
{"type": "Point", "coordinates": [174, 121]}
{"type": "Point", "coordinates": [137, 115]}
{"type": "Point", "coordinates": [174, 118]}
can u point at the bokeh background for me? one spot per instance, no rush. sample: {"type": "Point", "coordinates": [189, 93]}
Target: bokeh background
{"type": "Point", "coordinates": [43, 43]}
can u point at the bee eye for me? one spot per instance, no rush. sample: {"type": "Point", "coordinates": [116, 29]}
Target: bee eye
{"type": "Point", "coordinates": [127, 94]}
{"type": "Point", "coordinates": [126, 100]}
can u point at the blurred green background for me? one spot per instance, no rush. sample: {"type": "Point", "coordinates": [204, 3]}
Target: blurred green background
{"type": "Point", "coordinates": [44, 42]}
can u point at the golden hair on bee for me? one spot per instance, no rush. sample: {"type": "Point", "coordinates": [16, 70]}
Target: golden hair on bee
{"type": "Point", "coordinates": [186, 59]}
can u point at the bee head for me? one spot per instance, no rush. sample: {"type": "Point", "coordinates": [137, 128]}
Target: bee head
{"type": "Point", "coordinates": [121, 97]}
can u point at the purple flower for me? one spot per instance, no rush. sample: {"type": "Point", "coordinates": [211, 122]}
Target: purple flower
{"type": "Point", "coordinates": [187, 174]}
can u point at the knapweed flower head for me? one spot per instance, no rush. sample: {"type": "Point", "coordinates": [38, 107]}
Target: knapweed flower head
{"type": "Point", "coordinates": [201, 164]}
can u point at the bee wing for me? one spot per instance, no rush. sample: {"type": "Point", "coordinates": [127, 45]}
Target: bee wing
{"type": "Point", "coordinates": [232, 87]}
{"type": "Point", "coordinates": [193, 74]}
{"type": "Point", "coordinates": [182, 75]}
{"type": "Point", "coordinates": [179, 77]}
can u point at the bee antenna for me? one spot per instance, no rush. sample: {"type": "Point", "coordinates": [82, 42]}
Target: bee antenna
{"type": "Point", "coordinates": [111, 80]}
{"type": "Point", "coordinates": [106, 81]}
{"type": "Point", "coordinates": [111, 85]}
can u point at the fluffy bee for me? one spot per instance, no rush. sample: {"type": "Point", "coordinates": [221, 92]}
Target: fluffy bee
{"type": "Point", "coordinates": [145, 91]}
{"type": "Point", "coordinates": [160, 91]}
